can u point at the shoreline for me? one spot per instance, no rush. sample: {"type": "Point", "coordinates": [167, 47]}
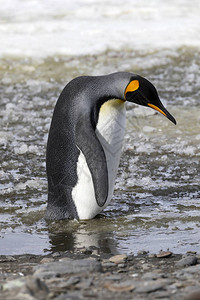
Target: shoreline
{"type": "Point", "coordinates": [86, 274]}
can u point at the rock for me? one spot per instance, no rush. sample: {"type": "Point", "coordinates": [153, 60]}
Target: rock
{"type": "Point", "coordinates": [13, 284]}
{"type": "Point", "coordinates": [191, 252]}
{"type": "Point", "coordinates": [118, 259]}
{"type": "Point", "coordinates": [85, 284]}
{"type": "Point", "coordinates": [67, 267]}
{"type": "Point", "coordinates": [122, 265]}
{"type": "Point", "coordinates": [151, 286]}
{"type": "Point", "coordinates": [143, 252]}
{"type": "Point", "coordinates": [193, 270]}
{"type": "Point", "coordinates": [7, 258]}
{"type": "Point", "coordinates": [193, 295]}
{"type": "Point", "coordinates": [27, 288]}
{"type": "Point", "coordinates": [113, 277]}
{"type": "Point", "coordinates": [72, 281]}
{"type": "Point", "coordinates": [61, 284]}
{"type": "Point", "coordinates": [188, 273]}
{"type": "Point", "coordinates": [190, 260]}
{"type": "Point", "coordinates": [56, 254]}
{"type": "Point", "coordinates": [163, 254]}
{"type": "Point", "coordinates": [126, 286]}
{"type": "Point", "coordinates": [154, 275]}
{"type": "Point", "coordinates": [35, 287]}
{"type": "Point", "coordinates": [21, 296]}
{"type": "Point", "coordinates": [151, 255]}
{"type": "Point", "coordinates": [146, 267]}
{"type": "Point", "coordinates": [107, 264]}
{"type": "Point", "coordinates": [86, 251]}
{"type": "Point", "coordinates": [46, 260]}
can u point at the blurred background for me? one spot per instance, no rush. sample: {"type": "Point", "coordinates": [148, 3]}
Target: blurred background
{"type": "Point", "coordinates": [43, 45]}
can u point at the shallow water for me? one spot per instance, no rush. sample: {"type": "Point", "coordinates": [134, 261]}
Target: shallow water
{"type": "Point", "coordinates": [156, 204]}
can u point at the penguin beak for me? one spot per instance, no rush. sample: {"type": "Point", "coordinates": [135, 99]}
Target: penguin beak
{"type": "Point", "coordinates": [163, 111]}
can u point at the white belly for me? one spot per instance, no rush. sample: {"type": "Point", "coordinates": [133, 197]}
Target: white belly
{"type": "Point", "coordinates": [110, 132]}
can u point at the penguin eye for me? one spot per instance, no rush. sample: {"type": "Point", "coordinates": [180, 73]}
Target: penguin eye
{"type": "Point", "coordinates": [131, 87]}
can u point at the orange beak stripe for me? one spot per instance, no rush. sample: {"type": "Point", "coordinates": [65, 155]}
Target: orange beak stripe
{"type": "Point", "coordinates": [156, 108]}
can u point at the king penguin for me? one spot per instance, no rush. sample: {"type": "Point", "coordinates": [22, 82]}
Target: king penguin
{"type": "Point", "coordinates": [85, 141]}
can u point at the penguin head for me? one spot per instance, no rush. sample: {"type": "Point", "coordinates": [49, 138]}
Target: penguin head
{"type": "Point", "coordinates": [141, 91]}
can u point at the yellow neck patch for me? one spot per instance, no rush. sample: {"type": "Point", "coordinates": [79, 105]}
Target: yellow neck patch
{"type": "Point", "coordinates": [132, 86]}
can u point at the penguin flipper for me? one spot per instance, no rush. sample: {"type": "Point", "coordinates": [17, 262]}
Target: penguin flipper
{"type": "Point", "coordinates": [88, 143]}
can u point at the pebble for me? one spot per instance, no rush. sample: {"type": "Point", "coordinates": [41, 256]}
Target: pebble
{"type": "Point", "coordinates": [121, 287]}
{"type": "Point", "coordinates": [7, 259]}
{"type": "Point", "coordinates": [36, 288]}
{"type": "Point", "coordinates": [56, 254]}
{"type": "Point", "coordinates": [107, 264]}
{"type": "Point", "coordinates": [13, 284]}
{"type": "Point", "coordinates": [46, 260]}
{"type": "Point", "coordinates": [190, 260]}
{"type": "Point", "coordinates": [193, 269]}
{"type": "Point", "coordinates": [85, 284]}
{"type": "Point", "coordinates": [151, 286]}
{"type": "Point", "coordinates": [163, 254]}
{"type": "Point", "coordinates": [113, 277]}
{"type": "Point", "coordinates": [143, 252]}
{"type": "Point", "coordinates": [118, 259]}
{"type": "Point", "coordinates": [151, 255]}
{"type": "Point", "coordinates": [63, 284]}
{"type": "Point", "coordinates": [145, 267]}
{"type": "Point", "coordinates": [154, 275]}
{"type": "Point", "coordinates": [141, 278]}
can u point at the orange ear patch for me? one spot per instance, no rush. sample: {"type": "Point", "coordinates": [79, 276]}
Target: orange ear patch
{"type": "Point", "coordinates": [132, 86]}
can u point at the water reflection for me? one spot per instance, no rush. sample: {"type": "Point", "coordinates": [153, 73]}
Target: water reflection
{"type": "Point", "coordinates": [74, 235]}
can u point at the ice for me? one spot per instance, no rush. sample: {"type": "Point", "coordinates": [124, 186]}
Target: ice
{"type": "Point", "coordinates": [148, 129]}
{"type": "Point", "coordinates": [6, 80]}
{"type": "Point", "coordinates": [33, 149]}
{"type": "Point", "coordinates": [37, 184]}
{"type": "Point", "coordinates": [3, 141]}
{"type": "Point", "coordinates": [21, 150]}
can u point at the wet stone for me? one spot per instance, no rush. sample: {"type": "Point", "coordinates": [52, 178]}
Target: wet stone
{"type": "Point", "coordinates": [118, 259]}
{"type": "Point", "coordinates": [187, 261]}
{"type": "Point", "coordinates": [35, 287]}
{"type": "Point", "coordinates": [151, 286]}
{"type": "Point", "coordinates": [194, 294]}
{"type": "Point", "coordinates": [163, 254]}
{"type": "Point", "coordinates": [85, 284]}
{"type": "Point", "coordinates": [188, 272]}
{"type": "Point", "coordinates": [113, 277]}
{"type": "Point", "coordinates": [126, 286]}
{"type": "Point", "coordinates": [13, 284]}
{"type": "Point", "coordinates": [70, 277]}
{"type": "Point", "coordinates": [46, 260]}
{"type": "Point", "coordinates": [67, 267]}
{"type": "Point", "coordinates": [154, 275]}
{"type": "Point", "coordinates": [143, 252]}
{"type": "Point", "coordinates": [56, 254]}
{"type": "Point", "coordinates": [7, 258]}
{"type": "Point", "coordinates": [121, 265]}
{"type": "Point", "coordinates": [107, 264]}
{"type": "Point", "coordinates": [68, 296]}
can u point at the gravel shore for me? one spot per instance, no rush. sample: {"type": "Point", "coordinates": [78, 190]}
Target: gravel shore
{"type": "Point", "coordinates": [87, 274]}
